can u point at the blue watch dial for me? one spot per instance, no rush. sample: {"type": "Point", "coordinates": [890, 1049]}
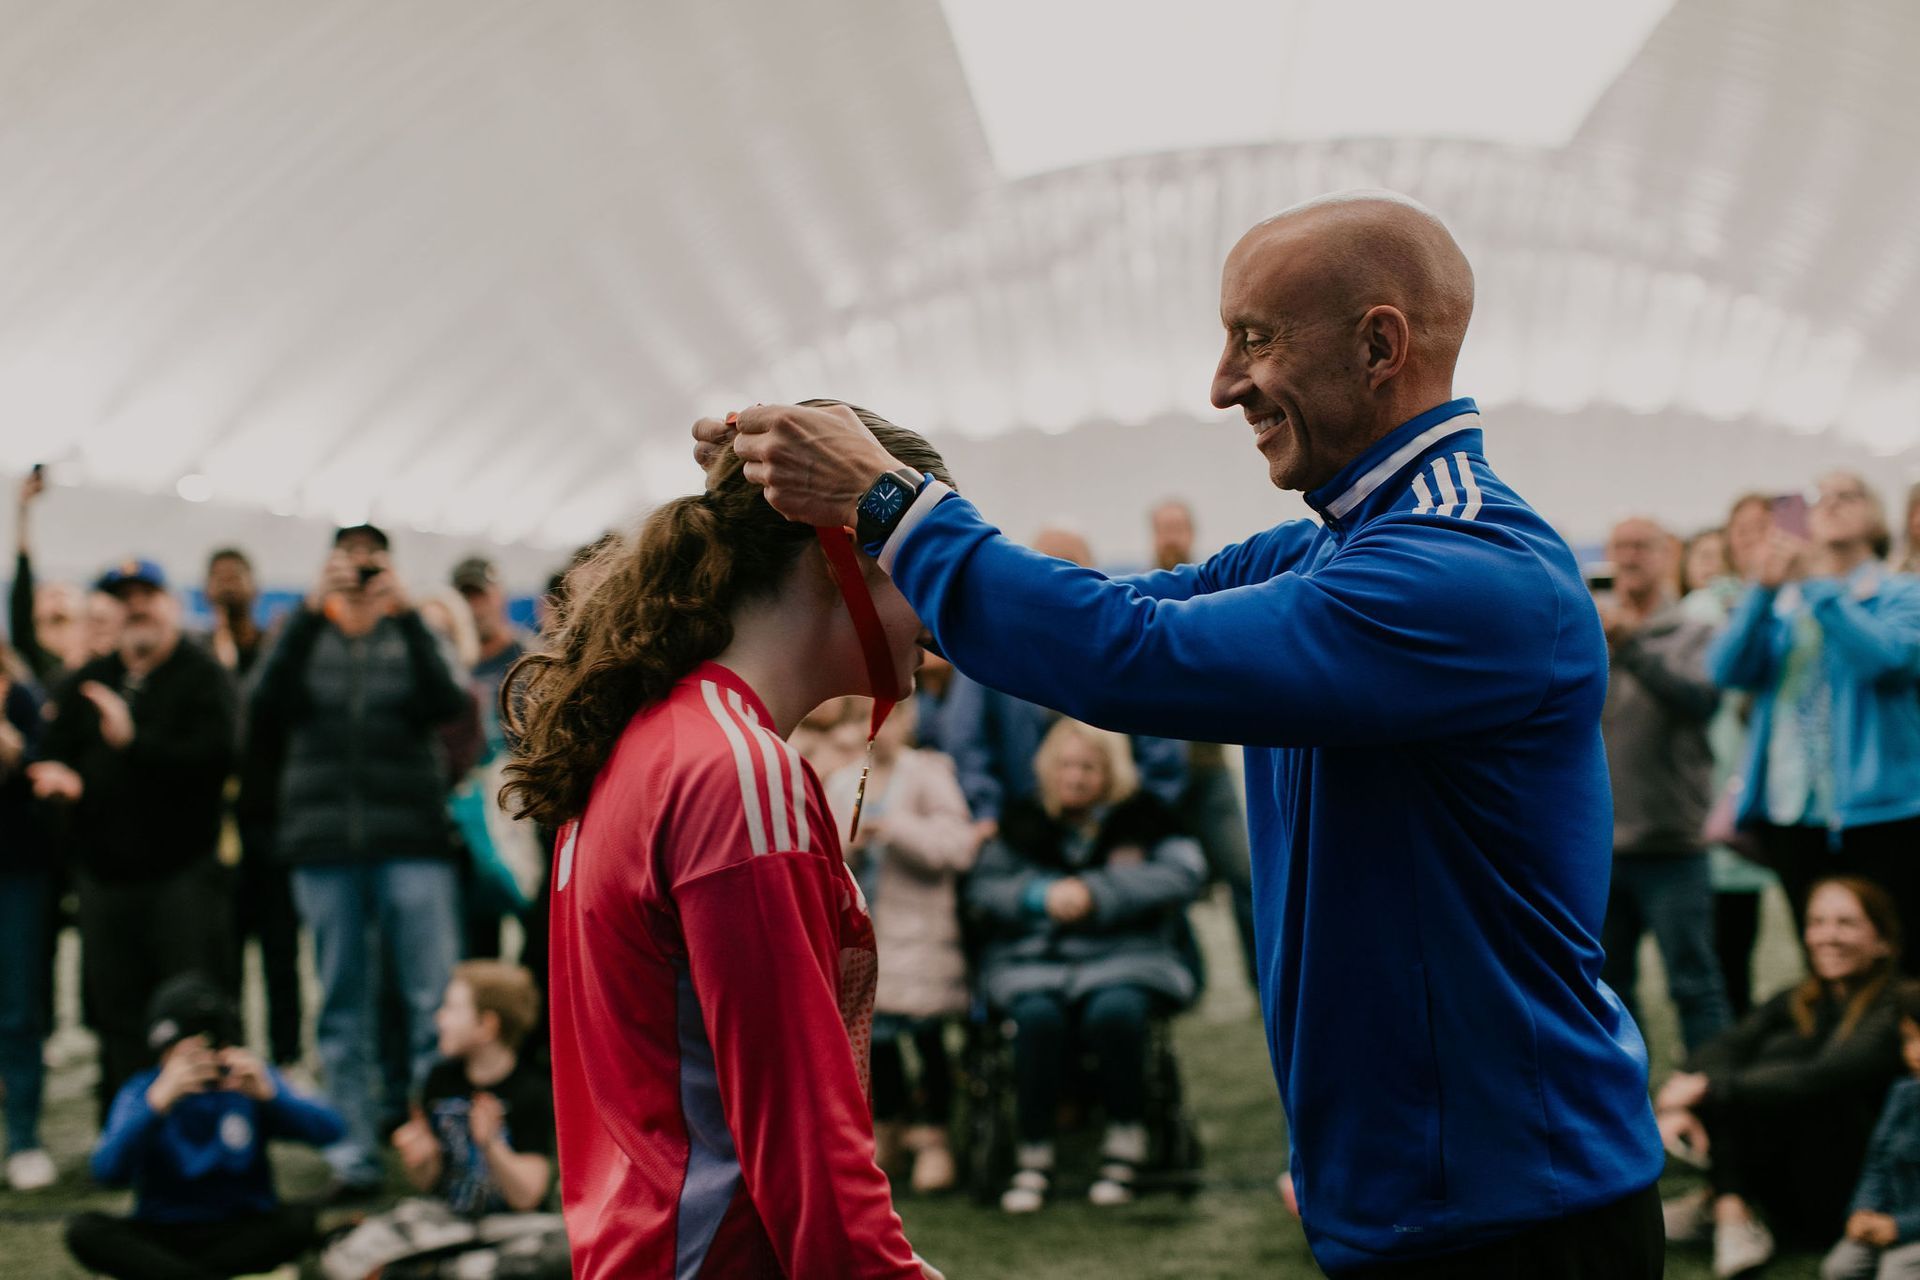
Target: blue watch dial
{"type": "Point", "coordinates": [885, 500]}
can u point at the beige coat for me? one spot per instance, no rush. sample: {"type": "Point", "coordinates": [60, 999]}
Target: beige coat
{"type": "Point", "coordinates": [915, 906]}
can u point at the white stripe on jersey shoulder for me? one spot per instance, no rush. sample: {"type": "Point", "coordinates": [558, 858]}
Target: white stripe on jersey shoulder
{"type": "Point", "coordinates": [1444, 479]}
{"type": "Point", "coordinates": [1366, 484]}
{"type": "Point", "coordinates": [1423, 493]}
{"type": "Point", "coordinates": [802, 837]}
{"type": "Point", "coordinates": [1467, 496]}
{"type": "Point", "coordinates": [566, 855]}
{"type": "Point", "coordinates": [749, 781]}
{"type": "Point", "coordinates": [776, 793]}
{"type": "Point", "coordinates": [1469, 484]}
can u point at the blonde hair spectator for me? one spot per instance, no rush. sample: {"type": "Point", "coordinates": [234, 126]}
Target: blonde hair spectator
{"type": "Point", "coordinates": [1123, 778]}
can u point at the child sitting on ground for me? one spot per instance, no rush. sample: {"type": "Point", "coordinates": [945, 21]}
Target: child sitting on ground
{"type": "Point", "coordinates": [480, 1145]}
{"type": "Point", "coordinates": [1883, 1230]}
{"type": "Point", "coordinates": [191, 1136]}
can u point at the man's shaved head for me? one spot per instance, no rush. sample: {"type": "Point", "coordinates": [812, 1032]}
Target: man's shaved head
{"type": "Point", "coordinates": [1367, 248]}
{"type": "Point", "coordinates": [1345, 317]}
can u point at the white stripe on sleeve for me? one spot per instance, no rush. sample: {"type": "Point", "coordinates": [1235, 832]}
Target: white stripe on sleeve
{"type": "Point", "coordinates": [1424, 494]}
{"type": "Point", "coordinates": [1468, 483]}
{"type": "Point", "coordinates": [1444, 479]}
{"type": "Point", "coordinates": [749, 784]}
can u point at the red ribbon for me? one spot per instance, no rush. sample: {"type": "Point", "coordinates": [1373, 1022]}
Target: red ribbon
{"type": "Point", "coordinates": [845, 570]}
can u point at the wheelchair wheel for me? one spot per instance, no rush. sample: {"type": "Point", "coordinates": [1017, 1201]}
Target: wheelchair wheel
{"type": "Point", "coordinates": [986, 1160]}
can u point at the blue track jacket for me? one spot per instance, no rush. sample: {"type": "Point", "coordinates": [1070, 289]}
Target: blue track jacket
{"type": "Point", "coordinates": [1418, 685]}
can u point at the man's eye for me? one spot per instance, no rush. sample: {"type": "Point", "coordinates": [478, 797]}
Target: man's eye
{"type": "Point", "coordinates": [1251, 341]}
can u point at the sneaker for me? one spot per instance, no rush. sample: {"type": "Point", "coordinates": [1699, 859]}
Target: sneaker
{"type": "Point", "coordinates": [1122, 1151]}
{"type": "Point", "coordinates": [1113, 1187]}
{"type": "Point", "coordinates": [1028, 1190]}
{"type": "Point", "coordinates": [1740, 1247]}
{"type": "Point", "coordinates": [1026, 1194]}
{"type": "Point", "coordinates": [31, 1170]}
{"type": "Point", "coordinates": [1688, 1218]}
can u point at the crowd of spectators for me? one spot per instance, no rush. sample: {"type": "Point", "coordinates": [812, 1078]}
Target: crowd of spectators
{"type": "Point", "coordinates": [335, 768]}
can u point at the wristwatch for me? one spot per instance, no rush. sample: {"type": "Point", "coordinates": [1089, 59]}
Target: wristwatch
{"type": "Point", "coordinates": [879, 510]}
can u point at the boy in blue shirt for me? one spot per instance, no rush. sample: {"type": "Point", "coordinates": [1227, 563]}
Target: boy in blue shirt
{"type": "Point", "coordinates": [191, 1137]}
{"type": "Point", "coordinates": [1883, 1230]}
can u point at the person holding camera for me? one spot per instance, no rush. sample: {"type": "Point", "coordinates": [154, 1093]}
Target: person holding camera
{"type": "Point", "coordinates": [355, 687]}
{"type": "Point", "coordinates": [190, 1135]}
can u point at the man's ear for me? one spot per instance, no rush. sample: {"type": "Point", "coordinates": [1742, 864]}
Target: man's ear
{"type": "Point", "coordinates": [486, 1016]}
{"type": "Point", "coordinates": [1387, 339]}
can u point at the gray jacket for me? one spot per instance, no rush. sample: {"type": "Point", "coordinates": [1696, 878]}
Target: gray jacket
{"type": "Point", "coordinates": [1139, 891]}
{"type": "Point", "coordinates": [1659, 704]}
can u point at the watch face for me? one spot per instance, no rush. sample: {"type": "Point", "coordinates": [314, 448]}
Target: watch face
{"type": "Point", "coordinates": [885, 500]}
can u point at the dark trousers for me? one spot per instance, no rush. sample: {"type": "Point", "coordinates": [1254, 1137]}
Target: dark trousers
{"type": "Point", "coordinates": [129, 1249]}
{"type": "Point", "coordinates": [1113, 1023]}
{"type": "Point", "coordinates": [1887, 853]}
{"type": "Point", "coordinates": [1671, 896]}
{"type": "Point", "coordinates": [1619, 1241]}
{"type": "Point", "coordinates": [134, 936]}
{"type": "Point", "coordinates": [263, 909]}
{"type": "Point", "coordinates": [1736, 927]}
{"type": "Point", "coordinates": [893, 1097]}
{"type": "Point", "coordinates": [1796, 1165]}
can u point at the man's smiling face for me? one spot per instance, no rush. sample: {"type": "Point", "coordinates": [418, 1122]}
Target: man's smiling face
{"type": "Point", "coordinates": [1294, 360]}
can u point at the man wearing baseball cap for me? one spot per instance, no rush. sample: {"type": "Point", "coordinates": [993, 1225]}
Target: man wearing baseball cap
{"type": "Point", "coordinates": [139, 746]}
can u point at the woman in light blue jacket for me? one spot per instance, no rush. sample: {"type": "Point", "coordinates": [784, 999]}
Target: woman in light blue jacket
{"type": "Point", "coordinates": [1829, 642]}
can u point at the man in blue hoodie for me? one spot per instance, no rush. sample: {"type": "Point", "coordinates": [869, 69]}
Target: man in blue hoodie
{"type": "Point", "coordinates": [1417, 680]}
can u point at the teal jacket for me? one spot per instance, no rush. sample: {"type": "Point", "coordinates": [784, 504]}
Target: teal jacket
{"type": "Point", "coordinates": [1871, 627]}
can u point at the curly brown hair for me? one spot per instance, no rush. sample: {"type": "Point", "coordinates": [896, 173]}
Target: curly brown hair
{"type": "Point", "coordinates": [645, 610]}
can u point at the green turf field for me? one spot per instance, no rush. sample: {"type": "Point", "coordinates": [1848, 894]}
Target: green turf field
{"type": "Point", "coordinates": [1235, 1227]}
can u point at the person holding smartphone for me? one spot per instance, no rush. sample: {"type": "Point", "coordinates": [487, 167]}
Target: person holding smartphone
{"type": "Point", "coordinates": [356, 686]}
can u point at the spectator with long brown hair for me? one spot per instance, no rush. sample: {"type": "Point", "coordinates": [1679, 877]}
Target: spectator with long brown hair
{"type": "Point", "coordinates": [712, 965]}
{"type": "Point", "coordinates": [1783, 1104]}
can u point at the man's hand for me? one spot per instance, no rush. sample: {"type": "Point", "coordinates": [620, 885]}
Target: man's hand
{"type": "Point", "coordinates": [1288, 1196]}
{"type": "Point", "coordinates": [1069, 900]}
{"type": "Point", "coordinates": [486, 1120]}
{"type": "Point", "coordinates": [386, 591]}
{"type": "Point", "coordinates": [337, 577]}
{"type": "Point", "coordinates": [416, 1143]}
{"type": "Point", "coordinates": [1683, 1090]}
{"type": "Point", "coordinates": [814, 463]}
{"type": "Point", "coordinates": [116, 717]}
{"type": "Point", "coordinates": [1682, 1133]}
{"type": "Point", "coordinates": [32, 486]}
{"type": "Point", "coordinates": [190, 1068]}
{"type": "Point", "coordinates": [55, 781]}
{"type": "Point", "coordinates": [927, 1270]}
{"type": "Point", "coordinates": [246, 1074]}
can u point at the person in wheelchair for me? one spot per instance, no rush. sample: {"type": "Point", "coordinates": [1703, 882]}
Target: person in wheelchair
{"type": "Point", "coordinates": [1076, 903]}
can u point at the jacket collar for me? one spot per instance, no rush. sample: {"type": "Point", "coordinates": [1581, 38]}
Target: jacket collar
{"type": "Point", "coordinates": [1343, 499]}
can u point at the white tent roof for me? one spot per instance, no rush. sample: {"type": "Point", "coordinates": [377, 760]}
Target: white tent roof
{"type": "Point", "coordinates": [469, 267]}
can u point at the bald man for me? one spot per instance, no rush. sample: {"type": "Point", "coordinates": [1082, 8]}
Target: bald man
{"type": "Point", "coordinates": [1417, 679]}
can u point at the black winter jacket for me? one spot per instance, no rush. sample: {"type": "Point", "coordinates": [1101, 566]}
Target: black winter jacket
{"type": "Point", "coordinates": [155, 807]}
{"type": "Point", "coordinates": [362, 780]}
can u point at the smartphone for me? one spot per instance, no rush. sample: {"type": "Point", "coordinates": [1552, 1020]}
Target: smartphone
{"type": "Point", "coordinates": [1790, 514]}
{"type": "Point", "coordinates": [39, 471]}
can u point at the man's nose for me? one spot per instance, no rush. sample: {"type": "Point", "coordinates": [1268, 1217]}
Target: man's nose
{"type": "Point", "coordinates": [1229, 383]}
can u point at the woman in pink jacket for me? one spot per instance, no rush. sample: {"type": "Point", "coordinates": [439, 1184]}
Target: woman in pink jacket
{"type": "Point", "coordinates": [916, 840]}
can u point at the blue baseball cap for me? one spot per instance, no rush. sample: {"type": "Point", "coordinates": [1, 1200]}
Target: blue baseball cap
{"type": "Point", "coordinates": [129, 573]}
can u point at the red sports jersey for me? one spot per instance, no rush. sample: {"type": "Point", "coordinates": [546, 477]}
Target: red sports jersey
{"type": "Point", "coordinates": [712, 992]}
